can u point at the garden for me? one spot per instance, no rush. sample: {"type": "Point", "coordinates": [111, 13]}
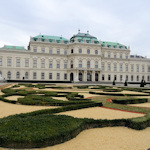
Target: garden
{"type": "Point", "coordinates": [65, 111]}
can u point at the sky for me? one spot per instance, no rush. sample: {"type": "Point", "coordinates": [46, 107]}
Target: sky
{"type": "Point", "coordinates": [123, 21]}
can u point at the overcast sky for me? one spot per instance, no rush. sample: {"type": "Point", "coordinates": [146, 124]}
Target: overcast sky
{"type": "Point", "coordinates": [123, 21]}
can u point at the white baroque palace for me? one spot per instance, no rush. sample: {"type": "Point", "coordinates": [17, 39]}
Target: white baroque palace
{"type": "Point", "coordinates": [83, 58]}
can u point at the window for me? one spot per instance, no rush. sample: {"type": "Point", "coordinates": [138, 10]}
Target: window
{"type": "Point", "coordinates": [65, 76]}
{"type": "Point", "coordinates": [120, 67]}
{"type": "Point", "coordinates": [103, 55]}
{"type": "Point", "coordinates": [42, 75]}
{"type": "Point", "coordinates": [34, 63]}
{"type": "Point", "coordinates": [88, 64]}
{"type": "Point", "coordinates": [132, 68]}
{"type": "Point", "coordinates": [120, 56]}
{"type": "Point", "coordinates": [120, 77]}
{"type": "Point", "coordinates": [115, 67]}
{"type": "Point", "coordinates": [126, 56]}
{"type": "Point", "coordinates": [50, 64]}
{"type": "Point", "coordinates": [127, 77]}
{"type": "Point", "coordinates": [148, 69]}
{"type": "Point", "coordinates": [109, 68]}
{"type": "Point", "coordinates": [26, 75]}
{"type": "Point", "coordinates": [143, 77]}
{"type": "Point", "coordinates": [96, 64]}
{"type": "Point", "coordinates": [137, 78]}
{"type": "Point", "coordinates": [109, 78]}
{"type": "Point", "coordinates": [148, 78]}
{"type": "Point", "coordinates": [96, 52]}
{"type": "Point", "coordinates": [80, 51]}
{"type": "Point", "coordinates": [65, 52]}
{"type": "Point", "coordinates": [115, 77]}
{"type": "Point", "coordinates": [103, 66]}
{"type": "Point", "coordinates": [108, 54]}
{"type": "Point", "coordinates": [126, 67]}
{"type": "Point", "coordinates": [58, 51]}
{"type": "Point", "coordinates": [58, 76]}
{"type": "Point", "coordinates": [58, 64]}
{"type": "Point", "coordinates": [137, 68]}
{"type": "Point", "coordinates": [72, 51]}
{"type": "Point", "coordinates": [43, 50]}
{"type": "Point", "coordinates": [50, 76]}
{"type": "Point", "coordinates": [103, 77]}
{"type": "Point", "coordinates": [0, 74]}
{"type": "Point", "coordinates": [35, 49]}
{"type": "Point", "coordinates": [18, 75]}
{"type": "Point", "coordinates": [26, 62]}
{"type": "Point", "coordinates": [50, 51]}
{"type": "Point", "coordinates": [42, 63]}
{"type": "Point", "coordinates": [88, 51]}
{"type": "Point", "coordinates": [65, 65]}
{"type": "Point", "coordinates": [115, 56]}
{"type": "Point", "coordinates": [80, 63]}
{"type": "Point", "coordinates": [143, 68]}
{"type": "Point", "coordinates": [131, 77]}
{"type": "Point", "coordinates": [71, 64]}
{"type": "Point", "coordinates": [8, 61]}
{"type": "Point", "coordinates": [9, 75]}
{"type": "Point", "coordinates": [34, 75]}
{"type": "Point", "coordinates": [18, 62]}
{"type": "Point", "coordinates": [0, 61]}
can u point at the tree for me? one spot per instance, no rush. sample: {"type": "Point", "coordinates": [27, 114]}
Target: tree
{"type": "Point", "coordinates": [114, 82]}
{"type": "Point", "coordinates": [125, 83]}
{"type": "Point", "coordinates": [142, 83]}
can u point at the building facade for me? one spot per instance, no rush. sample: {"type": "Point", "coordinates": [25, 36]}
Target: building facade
{"type": "Point", "coordinates": [83, 58]}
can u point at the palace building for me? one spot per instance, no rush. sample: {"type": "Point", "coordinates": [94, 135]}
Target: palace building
{"type": "Point", "coordinates": [82, 58]}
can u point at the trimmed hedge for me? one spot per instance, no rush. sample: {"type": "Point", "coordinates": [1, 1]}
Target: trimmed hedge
{"type": "Point", "coordinates": [130, 101]}
{"type": "Point", "coordinates": [112, 90]}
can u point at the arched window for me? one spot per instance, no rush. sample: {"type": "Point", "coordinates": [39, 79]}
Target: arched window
{"type": "Point", "coordinates": [26, 75]}
{"type": "Point", "coordinates": [88, 64]}
{"type": "Point", "coordinates": [9, 75]}
{"type": "Point", "coordinates": [18, 75]}
{"type": "Point", "coordinates": [88, 51]}
{"type": "Point", "coordinates": [80, 63]}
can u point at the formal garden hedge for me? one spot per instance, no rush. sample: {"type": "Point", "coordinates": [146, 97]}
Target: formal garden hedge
{"type": "Point", "coordinates": [112, 90]}
{"type": "Point", "coordinates": [130, 100]}
{"type": "Point", "coordinates": [45, 128]}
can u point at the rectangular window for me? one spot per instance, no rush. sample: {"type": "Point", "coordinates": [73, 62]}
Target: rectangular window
{"type": "Point", "coordinates": [26, 62]}
{"type": "Point", "coordinates": [127, 77]}
{"type": "Point", "coordinates": [132, 68]}
{"type": "Point", "coordinates": [103, 66]}
{"type": "Point", "coordinates": [0, 61]}
{"type": "Point", "coordinates": [120, 67]}
{"type": "Point", "coordinates": [103, 55]}
{"type": "Point", "coordinates": [34, 63]}
{"type": "Point", "coordinates": [42, 75]}
{"type": "Point", "coordinates": [80, 51]}
{"type": "Point", "coordinates": [35, 49]}
{"type": "Point", "coordinates": [50, 64]}
{"type": "Point", "coordinates": [126, 56]}
{"type": "Point", "coordinates": [65, 65]}
{"type": "Point", "coordinates": [96, 64]}
{"type": "Point", "coordinates": [42, 63]}
{"type": "Point", "coordinates": [58, 64]}
{"type": "Point", "coordinates": [120, 77]}
{"type": "Point", "coordinates": [18, 62]}
{"type": "Point", "coordinates": [143, 69]}
{"type": "Point", "coordinates": [58, 76]}
{"type": "Point", "coordinates": [148, 78]}
{"type": "Point", "coordinates": [50, 51]}
{"type": "Point", "coordinates": [96, 52]}
{"type": "Point", "coordinates": [34, 75]}
{"type": "Point", "coordinates": [65, 52]}
{"type": "Point", "coordinates": [131, 77]}
{"type": "Point", "coordinates": [115, 77]}
{"type": "Point", "coordinates": [126, 67]}
{"type": "Point", "coordinates": [109, 68]}
{"type": "Point", "coordinates": [103, 77]}
{"type": "Point", "coordinates": [8, 62]}
{"type": "Point", "coordinates": [120, 56]}
{"type": "Point", "coordinates": [148, 69]}
{"type": "Point", "coordinates": [50, 76]}
{"type": "Point", "coordinates": [137, 68]}
{"type": "Point", "coordinates": [109, 78]}
{"type": "Point", "coordinates": [65, 76]}
{"type": "Point", "coordinates": [43, 50]}
{"type": "Point", "coordinates": [114, 55]}
{"type": "Point", "coordinates": [108, 55]}
{"type": "Point", "coordinates": [58, 51]}
{"type": "Point", "coordinates": [115, 67]}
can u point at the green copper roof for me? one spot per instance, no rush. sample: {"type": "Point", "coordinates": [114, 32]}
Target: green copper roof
{"type": "Point", "coordinates": [13, 47]}
{"type": "Point", "coordinates": [50, 37]}
{"type": "Point", "coordinates": [85, 36]}
{"type": "Point", "coordinates": [111, 43]}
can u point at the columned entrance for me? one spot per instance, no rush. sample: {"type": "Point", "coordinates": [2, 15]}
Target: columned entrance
{"type": "Point", "coordinates": [71, 77]}
{"type": "Point", "coordinates": [80, 77]}
{"type": "Point", "coordinates": [89, 76]}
